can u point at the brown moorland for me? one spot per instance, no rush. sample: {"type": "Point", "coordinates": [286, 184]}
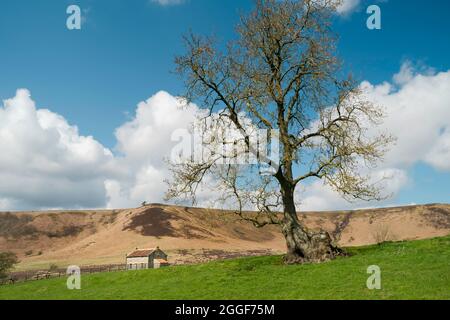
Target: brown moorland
{"type": "Point", "coordinates": [192, 235]}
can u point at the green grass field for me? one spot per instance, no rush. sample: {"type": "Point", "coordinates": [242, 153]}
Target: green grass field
{"type": "Point", "coordinates": [409, 270]}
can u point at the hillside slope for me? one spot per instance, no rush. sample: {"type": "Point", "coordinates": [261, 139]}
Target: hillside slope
{"type": "Point", "coordinates": [193, 235]}
{"type": "Point", "coordinates": [409, 270]}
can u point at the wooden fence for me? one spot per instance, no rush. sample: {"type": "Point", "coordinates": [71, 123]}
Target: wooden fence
{"type": "Point", "coordinates": [22, 276]}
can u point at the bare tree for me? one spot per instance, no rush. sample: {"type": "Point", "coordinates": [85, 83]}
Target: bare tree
{"type": "Point", "coordinates": [282, 74]}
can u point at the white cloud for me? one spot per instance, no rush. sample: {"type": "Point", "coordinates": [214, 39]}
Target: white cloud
{"type": "Point", "coordinates": [46, 163]}
{"type": "Point", "coordinates": [418, 115]}
{"type": "Point", "coordinates": [347, 6]}
{"type": "Point", "coordinates": [417, 98]}
{"type": "Point", "coordinates": [405, 74]}
{"type": "Point", "coordinates": [319, 197]}
{"type": "Point", "coordinates": [439, 154]}
{"type": "Point", "coordinates": [143, 143]}
{"type": "Point", "coordinates": [344, 7]}
{"type": "Point", "coordinates": [168, 2]}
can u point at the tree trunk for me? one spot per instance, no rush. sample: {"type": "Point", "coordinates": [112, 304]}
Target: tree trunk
{"type": "Point", "coordinates": [304, 246]}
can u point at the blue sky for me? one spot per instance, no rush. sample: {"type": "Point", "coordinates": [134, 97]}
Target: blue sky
{"type": "Point", "coordinates": [124, 53]}
{"type": "Point", "coordinates": [125, 50]}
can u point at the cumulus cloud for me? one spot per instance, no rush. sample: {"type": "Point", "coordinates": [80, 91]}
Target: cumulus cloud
{"type": "Point", "coordinates": [418, 114]}
{"type": "Point", "coordinates": [439, 154]}
{"type": "Point", "coordinates": [143, 143]}
{"type": "Point", "coordinates": [46, 163]}
{"type": "Point", "coordinates": [318, 196]}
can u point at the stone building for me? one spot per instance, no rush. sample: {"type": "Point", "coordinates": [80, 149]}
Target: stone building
{"type": "Point", "coordinates": [146, 259]}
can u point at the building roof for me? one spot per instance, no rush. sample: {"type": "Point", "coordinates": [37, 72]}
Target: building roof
{"type": "Point", "coordinates": [141, 253]}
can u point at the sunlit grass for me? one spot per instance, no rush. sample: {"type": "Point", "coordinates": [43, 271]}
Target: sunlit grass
{"type": "Point", "coordinates": [409, 270]}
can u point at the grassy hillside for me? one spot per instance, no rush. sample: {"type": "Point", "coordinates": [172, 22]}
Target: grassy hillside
{"type": "Point", "coordinates": [410, 270]}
